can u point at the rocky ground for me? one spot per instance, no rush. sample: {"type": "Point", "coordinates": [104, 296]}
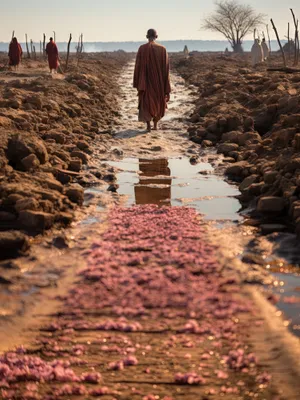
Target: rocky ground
{"type": "Point", "coordinates": [48, 125]}
{"type": "Point", "coordinates": [253, 116]}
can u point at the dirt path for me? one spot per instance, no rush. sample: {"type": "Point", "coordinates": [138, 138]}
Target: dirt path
{"type": "Point", "coordinates": [158, 309]}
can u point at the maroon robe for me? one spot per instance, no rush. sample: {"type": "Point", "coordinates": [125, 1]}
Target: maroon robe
{"type": "Point", "coordinates": [52, 53]}
{"type": "Point", "coordinates": [151, 79]}
{"type": "Point", "coordinates": [15, 53]}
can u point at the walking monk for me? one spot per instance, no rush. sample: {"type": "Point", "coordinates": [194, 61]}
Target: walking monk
{"type": "Point", "coordinates": [52, 53]}
{"type": "Point", "coordinates": [151, 79]}
{"type": "Point", "coordinates": [15, 53]}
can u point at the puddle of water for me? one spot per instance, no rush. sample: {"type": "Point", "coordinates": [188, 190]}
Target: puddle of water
{"type": "Point", "coordinates": [176, 182]}
{"type": "Point", "coordinates": [287, 286]}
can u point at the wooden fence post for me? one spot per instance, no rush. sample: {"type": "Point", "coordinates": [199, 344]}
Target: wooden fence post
{"type": "Point", "coordinates": [289, 44]}
{"type": "Point", "coordinates": [296, 38]}
{"type": "Point", "coordinates": [68, 53]}
{"type": "Point", "coordinates": [278, 40]}
{"type": "Point", "coordinates": [27, 47]}
{"type": "Point", "coordinates": [44, 45]}
{"type": "Point", "coordinates": [267, 27]}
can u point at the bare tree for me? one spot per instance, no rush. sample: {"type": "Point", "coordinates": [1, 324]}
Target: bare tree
{"type": "Point", "coordinates": [234, 21]}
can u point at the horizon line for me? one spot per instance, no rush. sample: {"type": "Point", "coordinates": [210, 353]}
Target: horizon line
{"type": "Point", "coordinates": [142, 41]}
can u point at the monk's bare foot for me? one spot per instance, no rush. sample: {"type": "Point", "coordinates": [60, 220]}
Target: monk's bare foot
{"type": "Point", "coordinates": [155, 128]}
{"type": "Point", "coordinates": [148, 127]}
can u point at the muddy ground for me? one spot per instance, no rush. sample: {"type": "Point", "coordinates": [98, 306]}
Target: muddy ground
{"type": "Point", "coordinates": [47, 128]}
{"type": "Point", "coordinates": [253, 116]}
{"type": "Point", "coordinates": [145, 302]}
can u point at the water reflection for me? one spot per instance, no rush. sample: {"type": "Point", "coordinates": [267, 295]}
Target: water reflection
{"type": "Point", "coordinates": [154, 186]}
{"type": "Point", "coordinates": [176, 182]}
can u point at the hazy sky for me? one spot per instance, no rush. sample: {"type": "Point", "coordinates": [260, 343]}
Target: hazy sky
{"type": "Point", "coordinates": [122, 20]}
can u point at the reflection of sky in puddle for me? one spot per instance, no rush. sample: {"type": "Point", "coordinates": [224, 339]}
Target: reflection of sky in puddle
{"type": "Point", "coordinates": [188, 186]}
{"type": "Point", "coordinates": [290, 288]}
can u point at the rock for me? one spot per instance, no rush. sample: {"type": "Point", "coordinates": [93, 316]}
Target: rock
{"type": "Point", "coordinates": [248, 182]}
{"type": "Point", "coordinates": [232, 137]}
{"type": "Point", "coordinates": [36, 220]}
{"type": "Point", "coordinates": [212, 127]}
{"type": "Point", "coordinates": [63, 155]}
{"type": "Point", "coordinates": [47, 206]}
{"type": "Point", "coordinates": [6, 216]}
{"type": "Point", "coordinates": [14, 197]}
{"type": "Point", "coordinates": [234, 122]}
{"type": "Point", "coordinates": [57, 162]}
{"type": "Point", "coordinates": [156, 148]}
{"type": "Point", "coordinates": [196, 139]}
{"type": "Point", "coordinates": [249, 137]}
{"type": "Point", "coordinates": [117, 152]}
{"type": "Point", "coordinates": [194, 160]}
{"type": "Point", "coordinates": [75, 165]}
{"type": "Point", "coordinates": [56, 136]}
{"type": "Point", "coordinates": [75, 193]}
{"type": "Point", "coordinates": [291, 120]}
{"type": "Point", "coordinates": [30, 162]}
{"type": "Point", "coordinates": [113, 188]}
{"type": "Point", "coordinates": [97, 174]}
{"type": "Point", "coordinates": [13, 244]}
{"type": "Point", "coordinates": [207, 143]}
{"type": "Point", "coordinates": [82, 145]}
{"type": "Point", "coordinates": [237, 169]}
{"type": "Point", "coordinates": [11, 103]}
{"type": "Point", "coordinates": [248, 123]}
{"type": "Point", "coordinates": [297, 142]}
{"type": "Point", "coordinates": [60, 242]}
{"type": "Point", "coordinates": [264, 121]}
{"type": "Point", "coordinates": [292, 165]}
{"type": "Point", "coordinates": [64, 218]}
{"type": "Point", "coordinates": [79, 154]}
{"type": "Point", "coordinates": [35, 100]}
{"type": "Point", "coordinates": [296, 212]}
{"type": "Point", "coordinates": [256, 188]}
{"type": "Point", "coordinates": [211, 137]}
{"type": "Point", "coordinates": [241, 138]}
{"type": "Point", "coordinates": [20, 147]}
{"type": "Point", "coordinates": [252, 258]}
{"type": "Point", "coordinates": [284, 137]}
{"type": "Point", "coordinates": [228, 160]}
{"type": "Point", "coordinates": [235, 155]}
{"type": "Point", "coordinates": [52, 106]}
{"type": "Point", "coordinates": [109, 177]}
{"type": "Point", "coordinates": [26, 204]}
{"type": "Point", "coordinates": [270, 228]}
{"type": "Point", "coordinates": [226, 148]}
{"type": "Point", "coordinates": [52, 184]}
{"type": "Point", "coordinates": [271, 204]}
{"type": "Point", "coordinates": [195, 118]}
{"type": "Point", "coordinates": [270, 177]}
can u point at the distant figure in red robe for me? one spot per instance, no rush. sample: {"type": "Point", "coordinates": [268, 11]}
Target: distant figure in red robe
{"type": "Point", "coordinates": [15, 53]}
{"type": "Point", "coordinates": [151, 79]}
{"type": "Point", "coordinates": [52, 53]}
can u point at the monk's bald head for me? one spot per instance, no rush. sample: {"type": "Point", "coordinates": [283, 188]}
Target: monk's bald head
{"type": "Point", "coordinates": [151, 34]}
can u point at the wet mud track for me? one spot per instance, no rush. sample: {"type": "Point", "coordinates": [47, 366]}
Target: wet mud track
{"type": "Point", "coordinates": [158, 308]}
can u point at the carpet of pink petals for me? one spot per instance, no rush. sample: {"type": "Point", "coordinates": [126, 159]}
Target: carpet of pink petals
{"type": "Point", "coordinates": [153, 315]}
